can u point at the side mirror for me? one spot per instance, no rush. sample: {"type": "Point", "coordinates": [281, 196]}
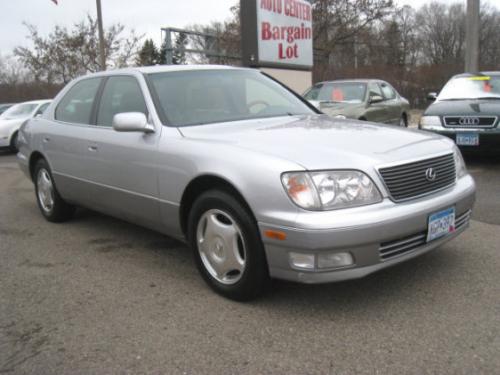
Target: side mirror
{"type": "Point", "coordinates": [131, 122]}
{"type": "Point", "coordinates": [376, 99]}
{"type": "Point", "coordinates": [432, 96]}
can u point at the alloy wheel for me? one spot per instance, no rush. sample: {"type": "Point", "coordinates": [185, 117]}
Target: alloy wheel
{"type": "Point", "coordinates": [221, 246]}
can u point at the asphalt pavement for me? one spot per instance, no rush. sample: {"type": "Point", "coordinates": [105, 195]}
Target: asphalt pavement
{"type": "Point", "coordinates": [100, 296]}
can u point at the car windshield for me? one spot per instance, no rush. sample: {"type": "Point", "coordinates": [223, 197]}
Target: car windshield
{"type": "Point", "coordinates": [199, 97]}
{"type": "Point", "coordinates": [19, 110]}
{"type": "Point", "coordinates": [347, 92]}
{"type": "Point", "coordinates": [472, 87]}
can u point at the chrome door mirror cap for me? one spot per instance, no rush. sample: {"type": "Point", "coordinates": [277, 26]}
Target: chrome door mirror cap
{"type": "Point", "coordinates": [131, 122]}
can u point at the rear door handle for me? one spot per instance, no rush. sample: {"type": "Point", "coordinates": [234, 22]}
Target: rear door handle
{"type": "Point", "coordinates": [46, 140]}
{"type": "Point", "coordinates": [93, 148]}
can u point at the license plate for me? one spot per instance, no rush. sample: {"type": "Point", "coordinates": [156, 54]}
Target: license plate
{"type": "Point", "coordinates": [468, 139]}
{"type": "Point", "coordinates": [441, 224]}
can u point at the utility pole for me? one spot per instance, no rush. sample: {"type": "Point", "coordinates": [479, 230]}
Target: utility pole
{"type": "Point", "coordinates": [102, 52]}
{"type": "Point", "coordinates": [472, 37]}
{"type": "Point", "coordinates": [356, 54]}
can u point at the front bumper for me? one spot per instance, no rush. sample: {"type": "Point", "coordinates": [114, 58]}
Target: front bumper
{"type": "Point", "coordinates": [363, 232]}
{"type": "Point", "coordinates": [487, 136]}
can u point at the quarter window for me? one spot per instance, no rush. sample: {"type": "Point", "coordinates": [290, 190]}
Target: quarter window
{"type": "Point", "coordinates": [121, 94]}
{"type": "Point", "coordinates": [76, 105]}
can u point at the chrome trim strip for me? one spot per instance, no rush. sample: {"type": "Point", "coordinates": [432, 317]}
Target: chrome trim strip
{"type": "Point", "coordinates": [470, 126]}
{"type": "Point", "coordinates": [118, 189]}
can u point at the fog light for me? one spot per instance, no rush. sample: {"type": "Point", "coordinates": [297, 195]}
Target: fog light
{"type": "Point", "coordinates": [334, 260]}
{"type": "Point", "coordinates": [305, 261]}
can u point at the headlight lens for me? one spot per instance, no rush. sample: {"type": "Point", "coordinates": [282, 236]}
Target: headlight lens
{"type": "Point", "coordinates": [426, 121]}
{"type": "Point", "coordinates": [460, 164]}
{"type": "Point", "coordinates": [328, 190]}
{"type": "Point", "coordinates": [300, 188]}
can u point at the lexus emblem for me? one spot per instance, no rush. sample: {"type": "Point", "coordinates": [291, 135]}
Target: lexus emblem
{"type": "Point", "coordinates": [430, 174]}
{"type": "Point", "coordinates": [469, 121]}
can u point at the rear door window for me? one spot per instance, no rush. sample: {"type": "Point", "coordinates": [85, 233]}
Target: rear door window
{"type": "Point", "coordinates": [121, 94]}
{"type": "Point", "coordinates": [76, 106]}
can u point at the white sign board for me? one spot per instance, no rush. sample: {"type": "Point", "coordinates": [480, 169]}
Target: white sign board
{"type": "Point", "coordinates": [284, 32]}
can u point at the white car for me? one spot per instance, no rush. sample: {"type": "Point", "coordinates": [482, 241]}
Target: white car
{"type": "Point", "coordinates": [12, 119]}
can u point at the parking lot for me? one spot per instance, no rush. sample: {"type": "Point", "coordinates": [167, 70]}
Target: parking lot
{"type": "Point", "coordinates": [98, 295]}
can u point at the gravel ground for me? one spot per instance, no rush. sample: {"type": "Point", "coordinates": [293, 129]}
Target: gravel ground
{"type": "Point", "coordinates": [101, 296]}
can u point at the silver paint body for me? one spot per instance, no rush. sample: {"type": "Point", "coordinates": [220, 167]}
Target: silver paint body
{"type": "Point", "coordinates": [9, 127]}
{"type": "Point", "coordinates": [141, 177]}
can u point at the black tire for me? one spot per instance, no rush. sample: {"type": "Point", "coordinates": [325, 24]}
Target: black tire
{"type": "Point", "coordinates": [13, 143]}
{"type": "Point", "coordinates": [60, 210]}
{"type": "Point", "coordinates": [403, 122]}
{"type": "Point", "coordinates": [254, 279]}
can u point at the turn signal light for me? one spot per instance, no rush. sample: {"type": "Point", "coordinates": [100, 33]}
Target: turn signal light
{"type": "Point", "coordinates": [275, 235]}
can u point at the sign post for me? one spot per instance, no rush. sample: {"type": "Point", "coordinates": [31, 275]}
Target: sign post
{"type": "Point", "coordinates": [277, 38]}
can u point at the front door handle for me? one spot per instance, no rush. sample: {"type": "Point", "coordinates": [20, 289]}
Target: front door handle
{"type": "Point", "coordinates": [46, 140]}
{"type": "Point", "coordinates": [92, 148]}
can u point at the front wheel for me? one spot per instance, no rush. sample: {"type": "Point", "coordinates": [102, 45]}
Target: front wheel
{"type": "Point", "coordinates": [227, 247]}
{"type": "Point", "coordinates": [52, 206]}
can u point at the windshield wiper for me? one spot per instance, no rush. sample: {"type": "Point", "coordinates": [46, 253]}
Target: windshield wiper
{"type": "Point", "coordinates": [489, 98]}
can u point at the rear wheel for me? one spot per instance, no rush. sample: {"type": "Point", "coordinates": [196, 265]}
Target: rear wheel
{"type": "Point", "coordinates": [227, 247]}
{"type": "Point", "coordinates": [52, 206]}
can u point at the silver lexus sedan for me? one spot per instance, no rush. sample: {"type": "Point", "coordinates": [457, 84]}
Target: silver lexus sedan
{"type": "Point", "coordinates": [255, 179]}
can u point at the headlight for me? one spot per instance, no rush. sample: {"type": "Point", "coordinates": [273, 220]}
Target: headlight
{"type": "Point", "coordinates": [329, 190]}
{"type": "Point", "coordinates": [460, 164]}
{"type": "Point", "coordinates": [426, 121]}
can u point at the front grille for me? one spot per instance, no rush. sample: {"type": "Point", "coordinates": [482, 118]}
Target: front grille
{"type": "Point", "coordinates": [462, 220]}
{"type": "Point", "coordinates": [391, 249]}
{"type": "Point", "coordinates": [412, 180]}
{"type": "Point", "coordinates": [470, 121]}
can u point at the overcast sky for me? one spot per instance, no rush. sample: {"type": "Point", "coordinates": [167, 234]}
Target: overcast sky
{"type": "Point", "coordinates": [146, 16]}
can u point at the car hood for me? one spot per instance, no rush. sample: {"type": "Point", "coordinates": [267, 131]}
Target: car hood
{"type": "Point", "coordinates": [346, 109]}
{"type": "Point", "coordinates": [12, 120]}
{"type": "Point", "coordinates": [464, 107]}
{"type": "Point", "coordinates": [320, 142]}
{"type": "Point", "coordinates": [7, 122]}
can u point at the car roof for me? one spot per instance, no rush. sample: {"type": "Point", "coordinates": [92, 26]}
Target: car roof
{"type": "Point", "coordinates": [359, 80]}
{"type": "Point", "coordinates": [465, 75]}
{"type": "Point", "coordinates": [42, 101]}
{"type": "Point", "coordinates": [165, 68]}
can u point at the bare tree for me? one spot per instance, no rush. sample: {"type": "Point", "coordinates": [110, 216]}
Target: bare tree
{"type": "Point", "coordinates": [339, 21]}
{"type": "Point", "coordinates": [65, 54]}
{"type": "Point", "coordinates": [489, 31]}
{"type": "Point", "coordinates": [442, 32]}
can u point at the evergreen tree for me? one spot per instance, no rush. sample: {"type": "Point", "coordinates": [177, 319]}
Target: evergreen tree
{"type": "Point", "coordinates": [179, 55]}
{"type": "Point", "coordinates": [148, 54]}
